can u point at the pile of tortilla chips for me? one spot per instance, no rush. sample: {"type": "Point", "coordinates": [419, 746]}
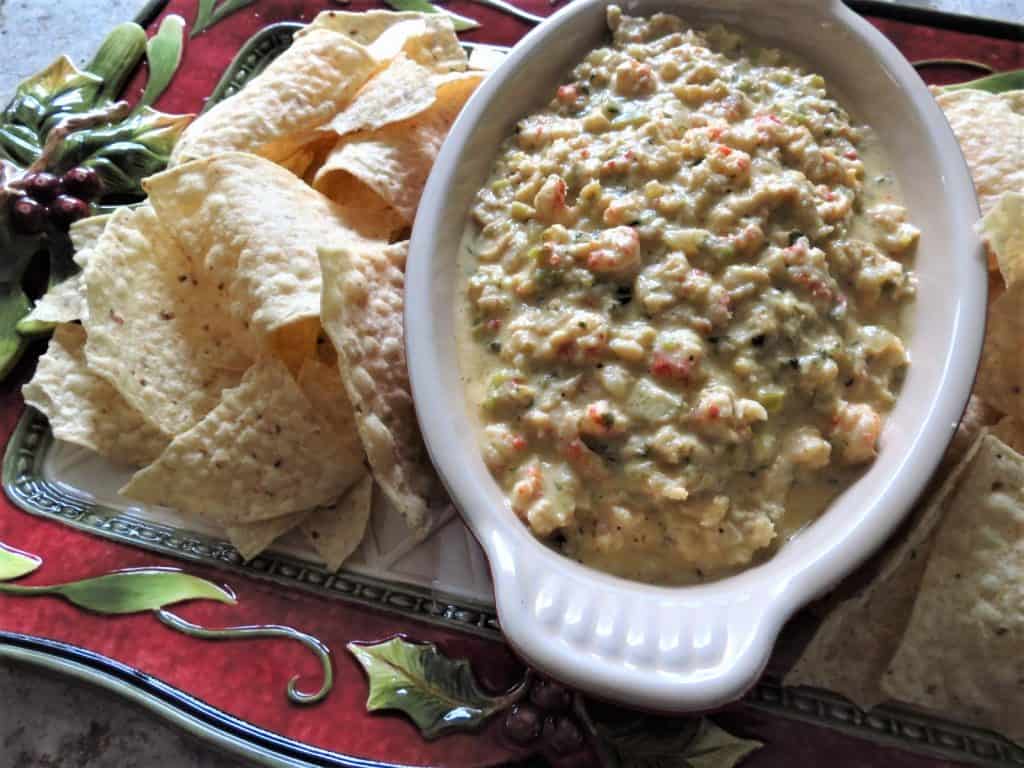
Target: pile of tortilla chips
{"type": "Point", "coordinates": [942, 624]}
{"type": "Point", "coordinates": [239, 336]}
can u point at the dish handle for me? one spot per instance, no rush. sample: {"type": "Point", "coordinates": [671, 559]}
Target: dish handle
{"type": "Point", "coordinates": [667, 649]}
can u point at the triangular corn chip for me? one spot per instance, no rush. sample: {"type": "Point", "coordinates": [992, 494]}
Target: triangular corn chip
{"type": "Point", "coordinates": [157, 328]}
{"type": "Point", "coordinates": [252, 538]}
{"type": "Point", "coordinates": [263, 452]}
{"type": "Point", "coordinates": [84, 409]}
{"type": "Point", "coordinates": [256, 227]}
{"type": "Point", "coordinates": [1000, 381]}
{"type": "Point", "coordinates": [1011, 432]}
{"type": "Point", "coordinates": [278, 110]}
{"type": "Point", "coordinates": [402, 90]}
{"type": "Point", "coordinates": [295, 343]}
{"type": "Point", "coordinates": [991, 135]}
{"type": "Point", "coordinates": [394, 161]}
{"type": "Point", "coordinates": [963, 652]}
{"type": "Point", "coordinates": [428, 39]}
{"type": "Point", "coordinates": [362, 313]}
{"type": "Point", "coordinates": [322, 384]}
{"type": "Point", "coordinates": [64, 303]}
{"type": "Point", "coordinates": [85, 233]}
{"type": "Point", "coordinates": [852, 648]}
{"type": "Point", "coordinates": [336, 531]}
{"type": "Point", "coordinates": [1003, 230]}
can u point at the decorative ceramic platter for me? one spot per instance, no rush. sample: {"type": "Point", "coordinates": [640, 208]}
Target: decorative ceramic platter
{"type": "Point", "coordinates": [298, 617]}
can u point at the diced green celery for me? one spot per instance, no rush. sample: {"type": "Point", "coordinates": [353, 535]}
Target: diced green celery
{"type": "Point", "coordinates": [649, 402]}
{"type": "Point", "coordinates": [772, 398]}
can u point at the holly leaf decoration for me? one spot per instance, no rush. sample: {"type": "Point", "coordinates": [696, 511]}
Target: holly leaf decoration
{"type": "Point", "coordinates": [439, 694]}
{"type": "Point", "coordinates": [60, 89]}
{"type": "Point", "coordinates": [716, 748]}
{"type": "Point", "coordinates": [650, 742]}
{"type": "Point", "coordinates": [125, 153]}
{"type": "Point", "coordinates": [14, 564]}
{"type": "Point", "coordinates": [133, 591]}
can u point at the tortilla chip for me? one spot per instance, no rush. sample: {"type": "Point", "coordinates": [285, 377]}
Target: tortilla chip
{"type": "Point", "coordinates": [84, 408]}
{"type": "Point", "coordinates": [379, 220]}
{"type": "Point", "coordinates": [295, 343]}
{"type": "Point", "coordinates": [322, 384]}
{"type": "Point", "coordinates": [253, 538]}
{"type": "Point", "coordinates": [1000, 381]}
{"type": "Point", "coordinates": [963, 651]}
{"type": "Point", "coordinates": [336, 531]}
{"type": "Point", "coordinates": [300, 160]}
{"type": "Point", "coordinates": [977, 415]}
{"type": "Point", "coordinates": [256, 227]}
{"type": "Point", "coordinates": [85, 233]}
{"type": "Point", "coordinates": [486, 58]}
{"type": "Point", "coordinates": [851, 649]}
{"type": "Point", "coordinates": [64, 303]}
{"type": "Point", "coordinates": [362, 314]}
{"type": "Point", "coordinates": [325, 351]}
{"type": "Point", "coordinates": [402, 90]}
{"type": "Point", "coordinates": [157, 328]}
{"type": "Point", "coordinates": [1003, 230]}
{"type": "Point", "coordinates": [1015, 99]}
{"type": "Point", "coordinates": [428, 39]}
{"type": "Point", "coordinates": [435, 46]}
{"type": "Point", "coordinates": [991, 135]}
{"type": "Point", "coordinates": [1011, 432]}
{"type": "Point", "coordinates": [278, 110]}
{"type": "Point", "coordinates": [263, 452]}
{"type": "Point", "coordinates": [362, 27]}
{"type": "Point", "coordinates": [394, 161]}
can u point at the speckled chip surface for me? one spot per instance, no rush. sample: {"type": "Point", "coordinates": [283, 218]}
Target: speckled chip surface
{"type": "Point", "coordinates": [263, 452]}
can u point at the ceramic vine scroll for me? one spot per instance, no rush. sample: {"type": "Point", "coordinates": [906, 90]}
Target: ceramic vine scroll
{"type": "Point", "coordinates": [141, 590]}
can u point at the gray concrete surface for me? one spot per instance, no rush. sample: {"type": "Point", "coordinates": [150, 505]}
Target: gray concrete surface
{"type": "Point", "coordinates": [51, 722]}
{"type": "Point", "coordinates": [34, 32]}
{"type": "Point", "coordinates": [48, 721]}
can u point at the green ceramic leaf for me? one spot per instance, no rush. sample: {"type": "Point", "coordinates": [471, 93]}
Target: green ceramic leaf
{"type": "Point", "coordinates": [34, 329]}
{"type": "Point", "coordinates": [60, 77]}
{"type": "Point", "coordinates": [650, 742]}
{"type": "Point", "coordinates": [438, 693]}
{"type": "Point", "coordinates": [716, 748]}
{"type": "Point", "coordinates": [461, 23]}
{"type": "Point", "coordinates": [210, 13]}
{"type": "Point", "coordinates": [14, 305]}
{"type": "Point", "coordinates": [663, 742]}
{"type": "Point", "coordinates": [19, 143]}
{"type": "Point", "coordinates": [15, 564]}
{"type": "Point", "coordinates": [141, 590]}
{"type": "Point", "coordinates": [125, 153]}
{"type": "Point", "coordinates": [997, 83]}
{"type": "Point", "coordinates": [47, 96]}
{"type": "Point", "coordinates": [163, 52]}
{"type": "Point", "coordinates": [117, 58]}
{"type": "Point", "coordinates": [62, 266]}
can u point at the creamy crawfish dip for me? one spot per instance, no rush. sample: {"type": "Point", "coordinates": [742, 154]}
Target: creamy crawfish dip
{"type": "Point", "coordinates": [680, 316]}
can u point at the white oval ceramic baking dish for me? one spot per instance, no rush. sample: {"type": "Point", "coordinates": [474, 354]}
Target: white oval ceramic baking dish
{"type": "Point", "coordinates": [692, 648]}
